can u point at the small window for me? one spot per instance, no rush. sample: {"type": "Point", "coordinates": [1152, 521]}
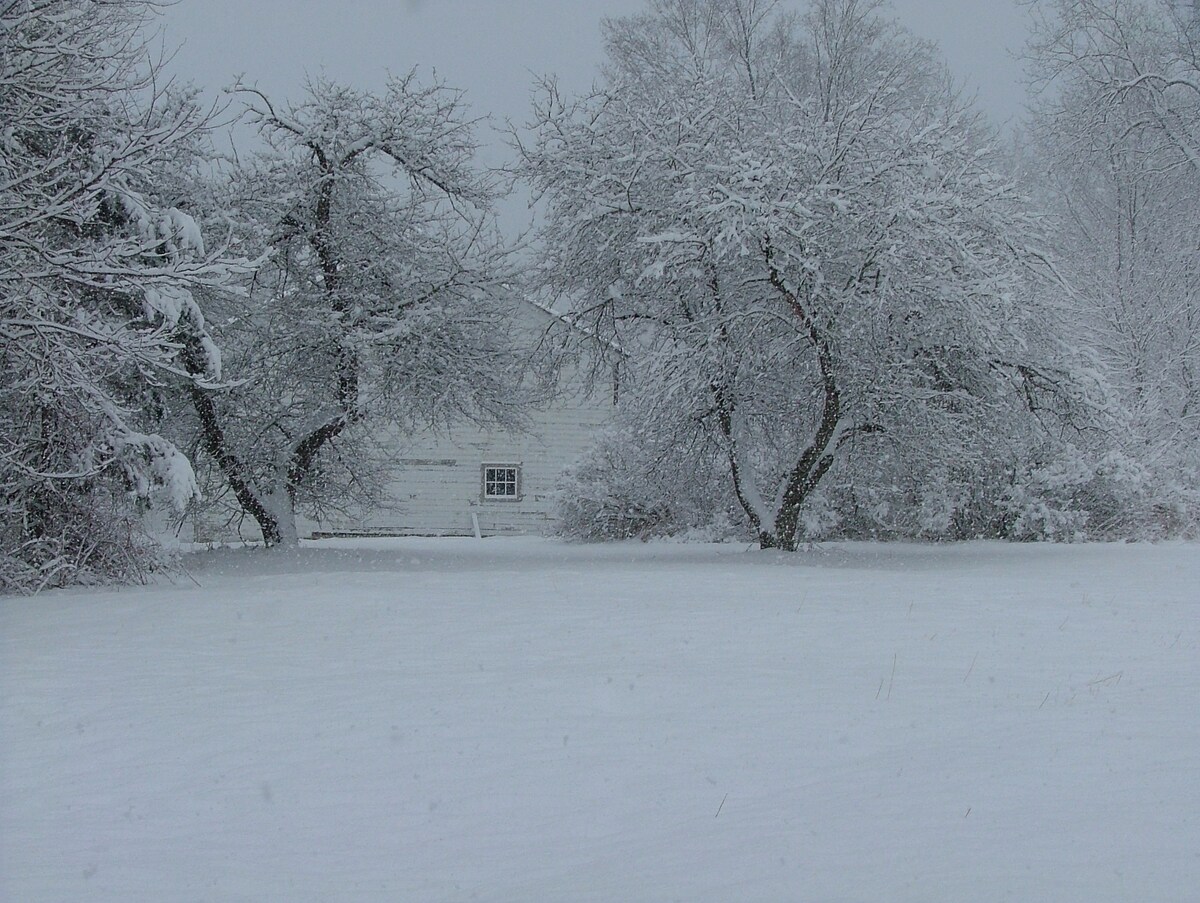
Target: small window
{"type": "Point", "coordinates": [502, 482]}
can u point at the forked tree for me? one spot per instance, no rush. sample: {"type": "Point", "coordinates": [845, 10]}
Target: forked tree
{"type": "Point", "coordinates": [379, 305]}
{"type": "Point", "coordinates": [799, 236]}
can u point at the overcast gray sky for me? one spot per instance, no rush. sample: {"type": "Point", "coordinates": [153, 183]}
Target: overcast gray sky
{"type": "Point", "coordinates": [490, 48]}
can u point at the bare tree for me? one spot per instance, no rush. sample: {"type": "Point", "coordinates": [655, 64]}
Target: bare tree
{"type": "Point", "coordinates": [1117, 135]}
{"type": "Point", "coordinates": [799, 236]}
{"type": "Point", "coordinates": [380, 304]}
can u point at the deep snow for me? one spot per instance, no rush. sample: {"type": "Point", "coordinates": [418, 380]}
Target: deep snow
{"type": "Point", "coordinates": [423, 720]}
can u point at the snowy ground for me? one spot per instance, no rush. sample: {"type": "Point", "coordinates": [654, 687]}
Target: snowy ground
{"type": "Point", "coordinates": [518, 720]}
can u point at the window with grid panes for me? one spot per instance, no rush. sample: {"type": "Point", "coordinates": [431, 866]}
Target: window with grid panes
{"type": "Point", "coordinates": [502, 482]}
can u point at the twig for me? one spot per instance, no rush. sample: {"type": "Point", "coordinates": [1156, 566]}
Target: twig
{"type": "Point", "coordinates": [892, 679]}
{"type": "Point", "coordinates": [188, 574]}
{"type": "Point", "coordinates": [972, 668]}
{"type": "Point", "coordinates": [722, 806]}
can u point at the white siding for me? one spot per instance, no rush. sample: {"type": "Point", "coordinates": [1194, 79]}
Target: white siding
{"type": "Point", "coordinates": [439, 484]}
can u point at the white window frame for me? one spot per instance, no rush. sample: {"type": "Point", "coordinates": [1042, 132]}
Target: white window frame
{"type": "Point", "coordinates": [484, 482]}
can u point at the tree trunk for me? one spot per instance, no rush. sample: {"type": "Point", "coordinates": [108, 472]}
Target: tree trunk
{"type": "Point", "coordinates": [816, 460]}
{"type": "Point", "coordinates": [274, 509]}
{"type": "Point", "coordinates": [768, 540]}
{"type": "Point", "coordinates": [281, 511]}
{"type": "Point", "coordinates": [253, 501]}
{"type": "Point", "coordinates": [780, 529]}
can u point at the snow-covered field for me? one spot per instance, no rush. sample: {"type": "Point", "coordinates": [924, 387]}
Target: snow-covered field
{"type": "Point", "coordinates": [519, 720]}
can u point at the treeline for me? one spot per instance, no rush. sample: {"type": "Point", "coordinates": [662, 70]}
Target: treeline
{"type": "Point", "coordinates": [840, 305]}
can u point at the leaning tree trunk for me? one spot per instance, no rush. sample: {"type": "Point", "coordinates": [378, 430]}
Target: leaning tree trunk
{"type": "Point", "coordinates": [818, 457]}
{"type": "Point", "coordinates": [274, 507]}
{"type": "Point", "coordinates": [779, 527]}
{"type": "Point", "coordinates": [253, 501]}
{"type": "Point", "coordinates": [804, 477]}
{"type": "Point", "coordinates": [346, 391]}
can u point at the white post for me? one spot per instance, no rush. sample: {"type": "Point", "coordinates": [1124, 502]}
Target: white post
{"type": "Point", "coordinates": [475, 524]}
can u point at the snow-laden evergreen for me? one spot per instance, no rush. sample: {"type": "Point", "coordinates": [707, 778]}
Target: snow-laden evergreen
{"type": "Point", "coordinates": [99, 263]}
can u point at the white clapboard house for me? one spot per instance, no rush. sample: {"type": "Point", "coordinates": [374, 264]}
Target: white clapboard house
{"type": "Point", "coordinates": [466, 480]}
